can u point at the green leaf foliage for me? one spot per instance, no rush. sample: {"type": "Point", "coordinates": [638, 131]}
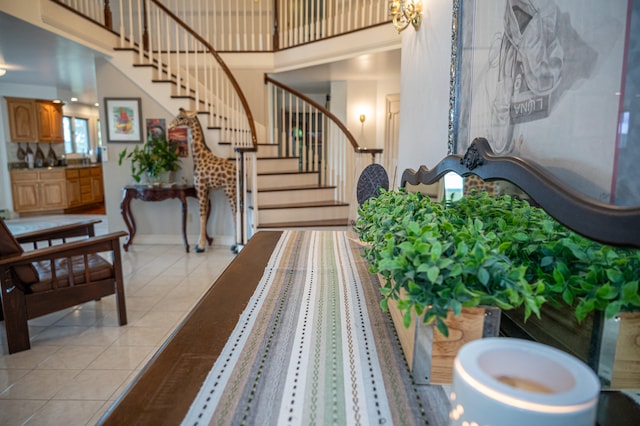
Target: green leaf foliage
{"type": "Point", "coordinates": [155, 157]}
{"type": "Point", "coordinates": [489, 250]}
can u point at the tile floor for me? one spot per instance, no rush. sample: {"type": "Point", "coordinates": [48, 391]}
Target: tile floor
{"type": "Point", "coordinates": [81, 360]}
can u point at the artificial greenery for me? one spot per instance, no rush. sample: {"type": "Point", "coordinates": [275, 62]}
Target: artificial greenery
{"type": "Point", "coordinates": [155, 157]}
{"type": "Point", "coordinates": [489, 250]}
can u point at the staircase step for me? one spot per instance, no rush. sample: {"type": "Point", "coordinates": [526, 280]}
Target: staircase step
{"type": "Point", "coordinates": [300, 193]}
{"type": "Point", "coordinates": [277, 164]}
{"type": "Point", "coordinates": [267, 150]}
{"type": "Point", "coordinates": [332, 223]}
{"type": "Point", "coordinates": [298, 212]}
{"type": "Point", "coordinates": [281, 180]}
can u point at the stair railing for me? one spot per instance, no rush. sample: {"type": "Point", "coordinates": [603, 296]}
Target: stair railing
{"type": "Point", "coordinates": [300, 22]}
{"type": "Point", "coordinates": [259, 25]}
{"type": "Point", "coordinates": [303, 128]}
{"type": "Point", "coordinates": [181, 56]}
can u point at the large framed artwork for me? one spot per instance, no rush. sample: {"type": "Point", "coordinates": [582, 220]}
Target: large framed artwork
{"type": "Point", "coordinates": [543, 79]}
{"type": "Point", "coordinates": [124, 120]}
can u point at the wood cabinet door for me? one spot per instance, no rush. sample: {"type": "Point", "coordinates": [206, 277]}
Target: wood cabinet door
{"type": "Point", "coordinates": [53, 194]}
{"type": "Point", "coordinates": [73, 192]}
{"type": "Point", "coordinates": [45, 123]}
{"type": "Point", "coordinates": [97, 186]}
{"type": "Point", "coordinates": [57, 131]}
{"type": "Point", "coordinates": [22, 120]}
{"type": "Point", "coordinates": [25, 196]}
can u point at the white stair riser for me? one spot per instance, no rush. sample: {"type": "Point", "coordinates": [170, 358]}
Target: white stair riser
{"type": "Point", "coordinates": [297, 195]}
{"type": "Point", "coordinates": [303, 214]}
{"type": "Point", "coordinates": [286, 180]}
{"type": "Point", "coordinates": [270, 150]}
{"type": "Point", "coordinates": [277, 165]}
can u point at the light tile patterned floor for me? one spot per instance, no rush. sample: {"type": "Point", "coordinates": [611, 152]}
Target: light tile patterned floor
{"type": "Point", "coordinates": [81, 360]}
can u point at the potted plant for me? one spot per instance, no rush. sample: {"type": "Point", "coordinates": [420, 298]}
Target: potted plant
{"type": "Point", "coordinates": [436, 258]}
{"type": "Point", "coordinates": [156, 159]}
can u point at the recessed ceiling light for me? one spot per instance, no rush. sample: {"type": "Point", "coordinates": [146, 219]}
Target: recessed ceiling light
{"type": "Point", "coordinates": [57, 101]}
{"type": "Point", "coordinates": [74, 99]}
{"type": "Point", "coordinates": [96, 104]}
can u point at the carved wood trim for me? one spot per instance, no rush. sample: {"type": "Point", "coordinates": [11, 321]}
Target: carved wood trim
{"type": "Point", "coordinates": [609, 224]}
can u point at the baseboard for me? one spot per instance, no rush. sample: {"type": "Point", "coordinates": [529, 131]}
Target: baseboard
{"type": "Point", "coordinates": [155, 239]}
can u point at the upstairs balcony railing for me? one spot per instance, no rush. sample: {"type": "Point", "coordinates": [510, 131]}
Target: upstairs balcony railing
{"type": "Point", "coordinates": [254, 25]}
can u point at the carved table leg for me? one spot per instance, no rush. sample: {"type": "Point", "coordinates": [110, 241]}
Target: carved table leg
{"type": "Point", "coordinates": [183, 200]}
{"type": "Point", "coordinates": [127, 216]}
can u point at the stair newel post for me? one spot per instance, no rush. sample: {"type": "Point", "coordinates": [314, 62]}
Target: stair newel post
{"type": "Point", "coordinates": [276, 30]}
{"type": "Point", "coordinates": [240, 202]}
{"type": "Point", "coordinates": [108, 20]}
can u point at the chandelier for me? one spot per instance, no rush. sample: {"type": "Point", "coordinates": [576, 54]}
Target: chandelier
{"type": "Point", "coordinates": [406, 12]}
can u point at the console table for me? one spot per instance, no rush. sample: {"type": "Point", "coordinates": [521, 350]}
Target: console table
{"type": "Point", "coordinates": [157, 193]}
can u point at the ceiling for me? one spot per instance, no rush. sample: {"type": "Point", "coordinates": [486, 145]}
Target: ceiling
{"type": "Point", "coordinates": [34, 56]}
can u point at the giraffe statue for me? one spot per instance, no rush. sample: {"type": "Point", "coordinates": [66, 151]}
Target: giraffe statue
{"type": "Point", "coordinates": [209, 172]}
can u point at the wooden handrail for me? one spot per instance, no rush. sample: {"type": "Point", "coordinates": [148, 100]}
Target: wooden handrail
{"type": "Point", "coordinates": [357, 148]}
{"type": "Point", "coordinates": [222, 64]}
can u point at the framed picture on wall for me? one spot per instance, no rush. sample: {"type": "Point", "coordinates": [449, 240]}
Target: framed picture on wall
{"type": "Point", "coordinates": [542, 80]}
{"type": "Point", "coordinates": [124, 120]}
{"type": "Point", "coordinates": [156, 128]}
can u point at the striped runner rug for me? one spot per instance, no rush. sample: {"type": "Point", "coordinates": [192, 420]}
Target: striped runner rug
{"type": "Point", "coordinates": [313, 347]}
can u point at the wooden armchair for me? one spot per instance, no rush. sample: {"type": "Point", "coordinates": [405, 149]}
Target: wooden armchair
{"type": "Point", "coordinates": [57, 276]}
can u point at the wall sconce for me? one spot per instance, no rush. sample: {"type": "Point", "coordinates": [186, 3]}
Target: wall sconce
{"type": "Point", "coordinates": [363, 118]}
{"type": "Point", "coordinates": [406, 12]}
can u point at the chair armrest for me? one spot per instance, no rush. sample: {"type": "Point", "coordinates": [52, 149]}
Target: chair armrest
{"type": "Point", "coordinates": [77, 229]}
{"type": "Point", "coordinates": [101, 243]}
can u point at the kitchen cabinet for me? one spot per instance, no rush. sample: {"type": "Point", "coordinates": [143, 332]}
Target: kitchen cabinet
{"type": "Point", "coordinates": [35, 120]}
{"type": "Point", "coordinates": [73, 187]}
{"type": "Point", "coordinates": [22, 119]}
{"type": "Point", "coordinates": [49, 121]}
{"type": "Point", "coordinates": [38, 190]}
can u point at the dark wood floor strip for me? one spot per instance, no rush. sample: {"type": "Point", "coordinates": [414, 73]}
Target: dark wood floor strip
{"type": "Point", "coordinates": [165, 389]}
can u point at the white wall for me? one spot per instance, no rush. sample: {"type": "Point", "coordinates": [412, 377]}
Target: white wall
{"type": "Point", "coordinates": [424, 91]}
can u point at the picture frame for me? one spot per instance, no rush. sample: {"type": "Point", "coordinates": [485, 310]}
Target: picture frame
{"type": "Point", "coordinates": [156, 128]}
{"type": "Point", "coordinates": [556, 100]}
{"type": "Point", "coordinates": [124, 120]}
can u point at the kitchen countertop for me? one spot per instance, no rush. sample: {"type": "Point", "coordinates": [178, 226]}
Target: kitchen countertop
{"type": "Point", "coordinates": [23, 166]}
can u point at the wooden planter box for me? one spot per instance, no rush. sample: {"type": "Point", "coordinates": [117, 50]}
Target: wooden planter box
{"type": "Point", "coordinates": [429, 354]}
{"type": "Point", "coordinates": [611, 347]}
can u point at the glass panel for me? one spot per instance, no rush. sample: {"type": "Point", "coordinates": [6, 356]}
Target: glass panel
{"type": "Point", "coordinates": [81, 134]}
{"type": "Point", "coordinates": [66, 127]}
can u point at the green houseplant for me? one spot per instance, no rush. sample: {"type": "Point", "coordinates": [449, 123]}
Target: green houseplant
{"type": "Point", "coordinates": [489, 250]}
{"type": "Point", "coordinates": [155, 158]}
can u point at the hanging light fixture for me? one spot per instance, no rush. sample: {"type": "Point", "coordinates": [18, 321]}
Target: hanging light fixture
{"type": "Point", "coordinates": [406, 12]}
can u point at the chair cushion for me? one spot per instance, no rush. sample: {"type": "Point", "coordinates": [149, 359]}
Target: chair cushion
{"type": "Point", "coordinates": [9, 246]}
{"type": "Point", "coordinates": [99, 269]}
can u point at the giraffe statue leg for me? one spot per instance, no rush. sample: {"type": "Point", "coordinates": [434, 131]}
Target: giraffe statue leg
{"type": "Point", "coordinates": [230, 193]}
{"type": "Point", "coordinates": [203, 203]}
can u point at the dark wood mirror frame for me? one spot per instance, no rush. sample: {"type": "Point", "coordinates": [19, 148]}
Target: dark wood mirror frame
{"type": "Point", "coordinates": [608, 224]}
